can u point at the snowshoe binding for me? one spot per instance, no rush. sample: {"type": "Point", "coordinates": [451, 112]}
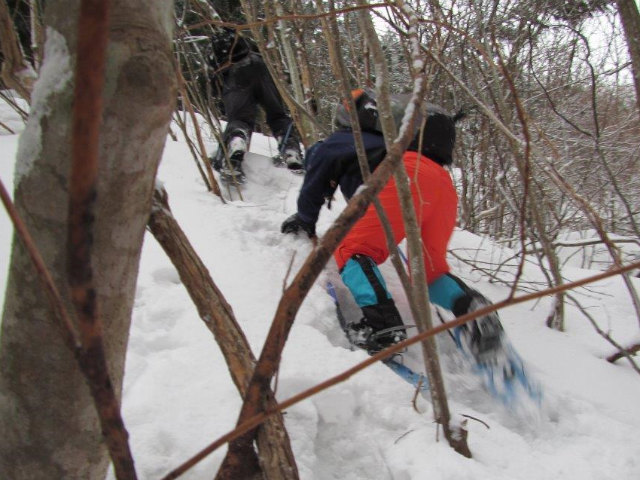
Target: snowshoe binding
{"type": "Point", "coordinates": [361, 335]}
{"type": "Point", "coordinates": [231, 172]}
{"type": "Point", "coordinates": [230, 169]}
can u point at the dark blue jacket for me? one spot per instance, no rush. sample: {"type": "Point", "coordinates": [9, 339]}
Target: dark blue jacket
{"type": "Point", "coordinates": [332, 163]}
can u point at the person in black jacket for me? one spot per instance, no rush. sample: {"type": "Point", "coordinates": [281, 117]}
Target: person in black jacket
{"type": "Point", "coordinates": [244, 83]}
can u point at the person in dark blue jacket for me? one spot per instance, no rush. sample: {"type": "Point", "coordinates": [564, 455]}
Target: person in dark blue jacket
{"type": "Point", "coordinates": [333, 163]}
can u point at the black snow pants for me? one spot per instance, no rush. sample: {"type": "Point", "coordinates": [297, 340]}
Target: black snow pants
{"type": "Point", "coordinates": [247, 84]}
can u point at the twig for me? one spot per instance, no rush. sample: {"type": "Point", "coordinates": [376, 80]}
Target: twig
{"type": "Point", "coordinates": [414, 401]}
{"type": "Point", "coordinates": [7, 128]}
{"type": "Point", "coordinates": [477, 420]}
{"type": "Point", "coordinates": [402, 436]}
{"type": "Point", "coordinates": [286, 276]}
{"type": "Point", "coordinates": [605, 335]}
{"type": "Point", "coordinates": [183, 126]}
{"type": "Point", "coordinates": [14, 105]}
{"type": "Point", "coordinates": [625, 352]}
{"type": "Point", "coordinates": [187, 102]}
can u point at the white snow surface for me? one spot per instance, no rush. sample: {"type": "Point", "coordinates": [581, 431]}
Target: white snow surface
{"type": "Point", "coordinates": [178, 395]}
{"type": "Point", "coordinates": [54, 75]}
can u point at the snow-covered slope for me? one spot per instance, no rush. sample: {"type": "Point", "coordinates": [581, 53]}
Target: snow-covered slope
{"type": "Point", "coordinates": [178, 396]}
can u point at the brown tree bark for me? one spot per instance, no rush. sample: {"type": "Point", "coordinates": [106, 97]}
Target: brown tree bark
{"type": "Point", "coordinates": [47, 416]}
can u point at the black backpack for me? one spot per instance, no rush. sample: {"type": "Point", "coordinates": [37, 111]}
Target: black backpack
{"type": "Point", "coordinates": [227, 47]}
{"type": "Point", "coordinates": [439, 134]}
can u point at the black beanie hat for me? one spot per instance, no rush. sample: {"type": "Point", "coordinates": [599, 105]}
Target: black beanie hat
{"type": "Point", "coordinates": [438, 136]}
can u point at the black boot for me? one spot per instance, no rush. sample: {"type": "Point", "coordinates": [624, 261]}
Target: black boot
{"type": "Point", "coordinates": [482, 336]}
{"type": "Point", "coordinates": [380, 328]}
{"type": "Point", "coordinates": [230, 170]}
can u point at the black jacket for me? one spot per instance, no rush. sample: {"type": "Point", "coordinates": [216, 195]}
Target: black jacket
{"type": "Point", "coordinates": [332, 163]}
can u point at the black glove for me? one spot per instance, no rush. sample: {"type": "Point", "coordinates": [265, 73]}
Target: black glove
{"type": "Point", "coordinates": [294, 224]}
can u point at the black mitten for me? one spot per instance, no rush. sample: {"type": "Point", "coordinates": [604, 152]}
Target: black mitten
{"type": "Point", "coordinates": [294, 224]}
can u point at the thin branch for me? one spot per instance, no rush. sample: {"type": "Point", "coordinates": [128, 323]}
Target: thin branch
{"type": "Point", "coordinates": [7, 128]}
{"type": "Point", "coordinates": [414, 401]}
{"type": "Point", "coordinates": [203, 153]}
{"type": "Point", "coordinates": [183, 127]}
{"type": "Point", "coordinates": [605, 335]}
{"type": "Point", "coordinates": [93, 35]}
{"type": "Point", "coordinates": [625, 352]}
{"type": "Point", "coordinates": [65, 324]}
{"type": "Point", "coordinates": [477, 420]}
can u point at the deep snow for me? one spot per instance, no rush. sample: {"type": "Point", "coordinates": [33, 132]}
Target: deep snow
{"type": "Point", "coordinates": [178, 396]}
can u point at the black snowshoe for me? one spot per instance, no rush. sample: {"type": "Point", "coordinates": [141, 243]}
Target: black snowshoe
{"type": "Point", "coordinates": [230, 171]}
{"type": "Point", "coordinates": [290, 159]}
{"type": "Point", "coordinates": [482, 338]}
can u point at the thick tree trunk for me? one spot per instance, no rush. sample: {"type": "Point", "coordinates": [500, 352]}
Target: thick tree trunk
{"type": "Point", "coordinates": [628, 11]}
{"type": "Point", "coordinates": [47, 418]}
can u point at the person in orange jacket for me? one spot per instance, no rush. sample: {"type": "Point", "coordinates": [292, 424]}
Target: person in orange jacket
{"type": "Point", "coordinates": [365, 246]}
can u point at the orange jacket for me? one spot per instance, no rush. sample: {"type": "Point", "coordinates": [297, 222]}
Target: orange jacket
{"type": "Point", "coordinates": [436, 203]}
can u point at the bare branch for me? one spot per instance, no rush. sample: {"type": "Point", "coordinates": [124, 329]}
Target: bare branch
{"type": "Point", "coordinates": [272, 440]}
{"type": "Point", "coordinates": [93, 33]}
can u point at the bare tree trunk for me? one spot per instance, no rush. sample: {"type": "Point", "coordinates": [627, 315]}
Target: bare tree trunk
{"type": "Point", "coordinates": [47, 417]}
{"type": "Point", "coordinates": [418, 294]}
